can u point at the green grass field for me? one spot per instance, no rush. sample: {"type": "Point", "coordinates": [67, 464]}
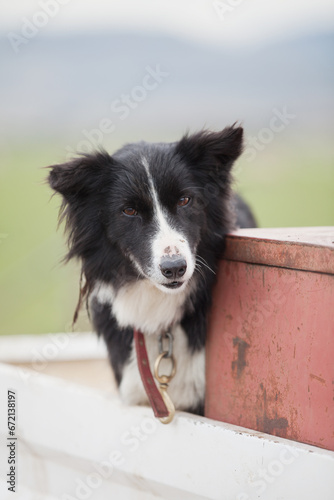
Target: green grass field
{"type": "Point", "coordinates": [285, 187]}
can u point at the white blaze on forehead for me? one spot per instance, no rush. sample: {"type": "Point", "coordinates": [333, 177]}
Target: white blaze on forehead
{"type": "Point", "coordinates": [163, 224]}
{"type": "Point", "coordinates": [167, 241]}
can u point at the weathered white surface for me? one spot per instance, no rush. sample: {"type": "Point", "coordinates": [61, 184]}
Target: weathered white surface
{"type": "Point", "coordinates": [38, 349]}
{"type": "Point", "coordinates": [76, 443]}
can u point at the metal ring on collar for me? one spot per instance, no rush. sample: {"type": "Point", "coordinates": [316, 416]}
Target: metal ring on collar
{"type": "Point", "coordinates": [164, 379]}
{"type": "Point", "coordinates": [166, 336]}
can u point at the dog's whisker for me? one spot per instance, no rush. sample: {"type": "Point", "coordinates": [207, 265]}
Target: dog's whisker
{"type": "Point", "coordinates": [200, 271]}
{"type": "Point", "coordinates": [204, 263]}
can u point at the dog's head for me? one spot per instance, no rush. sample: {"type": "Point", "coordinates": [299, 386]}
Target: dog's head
{"type": "Point", "coordinates": [148, 204]}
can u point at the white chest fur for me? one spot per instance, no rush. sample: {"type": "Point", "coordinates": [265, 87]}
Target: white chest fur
{"type": "Point", "coordinates": [142, 306]}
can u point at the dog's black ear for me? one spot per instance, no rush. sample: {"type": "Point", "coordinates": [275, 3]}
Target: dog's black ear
{"type": "Point", "coordinates": [224, 147]}
{"type": "Point", "coordinates": [80, 176]}
{"type": "Point", "coordinates": [83, 183]}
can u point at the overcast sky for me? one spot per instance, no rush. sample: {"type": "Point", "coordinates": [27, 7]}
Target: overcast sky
{"type": "Point", "coordinates": [239, 21]}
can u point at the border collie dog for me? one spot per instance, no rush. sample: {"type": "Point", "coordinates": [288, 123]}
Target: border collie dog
{"type": "Point", "coordinates": [148, 225]}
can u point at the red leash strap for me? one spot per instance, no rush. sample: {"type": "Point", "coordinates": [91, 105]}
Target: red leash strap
{"type": "Point", "coordinates": [153, 394]}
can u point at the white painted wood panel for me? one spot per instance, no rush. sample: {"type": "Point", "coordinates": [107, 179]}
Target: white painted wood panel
{"type": "Point", "coordinates": [79, 443]}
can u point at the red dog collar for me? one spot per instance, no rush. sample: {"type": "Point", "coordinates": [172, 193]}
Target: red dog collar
{"type": "Point", "coordinates": [158, 405]}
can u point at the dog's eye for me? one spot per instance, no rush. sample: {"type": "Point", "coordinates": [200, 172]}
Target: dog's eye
{"type": "Point", "coordinates": [131, 212]}
{"type": "Point", "coordinates": [183, 201]}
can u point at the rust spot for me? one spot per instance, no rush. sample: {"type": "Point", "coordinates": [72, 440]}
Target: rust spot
{"type": "Point", "coordinates": [276, 425]}
{"type": "Point", "coordinates": [270, 425]}
{"type": "Point", "coordinates": [319, 379]}
{"type": "Point", "coordinates": [240, 363]}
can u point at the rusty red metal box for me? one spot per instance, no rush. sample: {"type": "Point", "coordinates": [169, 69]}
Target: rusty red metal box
{"type": "Point", "coordinates": [270, 349]}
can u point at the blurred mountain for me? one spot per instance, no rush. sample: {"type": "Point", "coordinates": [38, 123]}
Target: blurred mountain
{"type": "Point", "coordinates": [64, 84]}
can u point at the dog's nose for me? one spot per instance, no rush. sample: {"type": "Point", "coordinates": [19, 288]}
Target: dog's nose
{"type": "Point", "coordinates": [173, 267]}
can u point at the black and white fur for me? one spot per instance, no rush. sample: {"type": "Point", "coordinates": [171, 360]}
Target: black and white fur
{"type": "Point", "coordinates": [148, 224]}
